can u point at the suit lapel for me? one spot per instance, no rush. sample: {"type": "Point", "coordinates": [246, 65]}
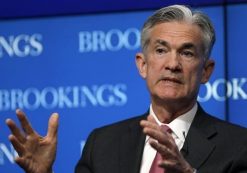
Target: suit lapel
{"type": "Point", "coordinates": [131, 148]}
{"type": "Point", "coordinates": [198, 146]}
{"type": "Point", "coordinates": [197, 141]}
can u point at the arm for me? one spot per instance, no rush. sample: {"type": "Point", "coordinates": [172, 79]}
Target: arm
{"type": "Point", "coordinates": [84, 165]}
{"type": "Point", "coordinates": [36, 153]}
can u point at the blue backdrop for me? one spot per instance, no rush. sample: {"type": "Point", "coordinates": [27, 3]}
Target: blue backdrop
{"type": "Point", "coordinates": [83, 67]}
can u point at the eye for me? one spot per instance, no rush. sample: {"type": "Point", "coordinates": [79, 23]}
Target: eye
{"type": "Point", "coordinates": [160, 51]}
{"type": "Point", "coordinates": [187, 54]}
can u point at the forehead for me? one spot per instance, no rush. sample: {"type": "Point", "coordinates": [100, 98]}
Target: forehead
{"type": "Point", "coordinates": [176, 33]}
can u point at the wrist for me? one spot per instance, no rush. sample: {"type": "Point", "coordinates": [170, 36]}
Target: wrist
{"type": "Point", "coordinates": [191, 170]}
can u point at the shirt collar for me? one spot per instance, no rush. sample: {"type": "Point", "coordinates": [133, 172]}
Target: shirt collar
{"type": "Point", "coordinates": [180, 126]}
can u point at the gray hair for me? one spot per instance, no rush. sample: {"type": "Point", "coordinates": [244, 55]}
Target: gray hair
{"type": "Point", "coordinates": [181, 13]}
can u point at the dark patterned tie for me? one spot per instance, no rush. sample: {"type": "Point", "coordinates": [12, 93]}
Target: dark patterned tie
{"type": "Point", "coordinates": [155, 167]}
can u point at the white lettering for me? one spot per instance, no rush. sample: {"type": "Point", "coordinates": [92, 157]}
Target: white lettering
{"type": "Point", "coordinates": [16, 98]}
{"type": "Point", "coordinates": [135, 39]}
{"type": "Point", "coordinates": [220, 90]}
{"type": "Point", "coordinates": [49, 94]}
{"type": "Point", "coordinates": [30, 98]}
{"type": "Point", "coordinates": [106, 91]}
{"type": "Point", "coordinates": [112, 40]}
{"type": "Point", "coordinates": [35, 42]}
{"type": "Point", "coordinates": [9, 153]}
{"type": "Point", "coordinates": [22, 45]}
{"type": "Point", "coordinates": [98, 40]}
{"type": "Point", "coordinates": [63, 97]}
{"type": "Point", "coordinates": [207, 95]}
{"type": "Point", "coordinates": [85, 43]}
{"type": "Point", "coordinates": [4, 45]}
{"type": "Point", "coordinates": [238, 91]}
{"type": "Point", "coordinates": [5, 100]}
{"type": "Point", "coordinates": [90, 95]}
{"type": "Point", "coordinates": [114, 44]}
{"type": "Point", "coordinates": [64, 100]}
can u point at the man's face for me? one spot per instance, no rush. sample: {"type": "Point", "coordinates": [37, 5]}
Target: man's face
{"type": "Point", "coordinates": [173, 64]}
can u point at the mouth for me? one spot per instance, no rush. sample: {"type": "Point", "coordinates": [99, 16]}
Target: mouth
{"type": "Point", "coordinates": [171, 80]}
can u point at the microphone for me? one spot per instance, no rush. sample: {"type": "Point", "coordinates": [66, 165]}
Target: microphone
{"type": "Point", "coordinates": [185, 149]}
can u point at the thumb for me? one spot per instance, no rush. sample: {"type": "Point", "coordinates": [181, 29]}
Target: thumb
{"type": "Point", "coordinates": [53, 125]}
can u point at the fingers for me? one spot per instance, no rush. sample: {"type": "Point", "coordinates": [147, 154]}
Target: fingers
{"type": "Point", "coordinates": [17, 138]}
{"type": "Point", "coordinates": [176, 165]}
{"type": "Point", "coordinates": [17, 145]}
{"type": "Point", "coordinates": [26, 126]}
{"type": "Point", "coordinates": [53, 126]}
{"type": "Point", "coordinates": [15, 130]}
{"type": "Point", "coordinates": [23, 163]}
{"type": "Point", "coordinates": [162, 137]}
{"type": "Point", "coordinates": [170, 166]}
{"type": "Point", "coordinates": [162, 149]}
{"type": "Point", "coordinates": [151, 119]}
{"type": "Point", "coordinates": [149, 123]}
{"type": "Point", "coordinates": [155, 131]}
{"type": "Point", "coordinates": [163, 142]}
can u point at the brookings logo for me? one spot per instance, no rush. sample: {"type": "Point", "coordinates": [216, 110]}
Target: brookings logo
{"type": "Point", "coordinates": [7, 152]}
{"type": "Point", "coordinates": [222, 89]}
{"type": "Point", "coordinates": [112, 40]}
{"type": "Point", "coordinates": [106, 95]}
{"type": "Point", "coordinates": [21, 45]}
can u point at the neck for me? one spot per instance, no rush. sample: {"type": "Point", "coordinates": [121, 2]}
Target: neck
{"type": "Point", "coordinates": [167, 112]}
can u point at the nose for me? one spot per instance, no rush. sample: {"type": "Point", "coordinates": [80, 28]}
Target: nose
{"type": "Point", "coordinates": [173, 63]}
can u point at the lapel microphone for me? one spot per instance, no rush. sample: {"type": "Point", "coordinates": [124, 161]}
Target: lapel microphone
{"type": "Point", "coordinates": [185, 149]}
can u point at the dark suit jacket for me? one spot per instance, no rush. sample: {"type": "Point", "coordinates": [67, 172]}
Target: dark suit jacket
{"type": "Point", "coordinates": [211, 146]}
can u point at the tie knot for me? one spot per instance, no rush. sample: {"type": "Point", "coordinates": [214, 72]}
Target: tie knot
{"type": "Point", "coordinates": [166, 128]}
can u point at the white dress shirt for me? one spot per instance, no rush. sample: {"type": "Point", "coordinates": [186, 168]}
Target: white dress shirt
{"type": "Point", "coordinates": [180, 127]}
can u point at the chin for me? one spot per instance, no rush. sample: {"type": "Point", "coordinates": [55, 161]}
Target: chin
{"type": "Point", "coordinates": [169, 97]}
{"type": "Point", "coordinates": [169, 92]}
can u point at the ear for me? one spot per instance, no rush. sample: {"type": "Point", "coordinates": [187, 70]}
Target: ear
{"type": "Point", "coordinates": [208, 70]}
{"type": "Point", "coordinates": [141, 65]}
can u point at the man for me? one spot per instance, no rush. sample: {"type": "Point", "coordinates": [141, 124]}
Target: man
{"type": "Point", "coordinates": [176, 46]}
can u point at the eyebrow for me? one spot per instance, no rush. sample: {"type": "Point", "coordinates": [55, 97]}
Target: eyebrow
{"type": "Point", "coordinates": [161, 42]}
{"type": "Point", "coordinates": [188, 46]}
{"type": "Point", "coordinates": [183, 46]}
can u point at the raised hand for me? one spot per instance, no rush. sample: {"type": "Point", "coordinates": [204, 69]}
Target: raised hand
{"type": "Point", "coordinates": [163, 142]}
{"type": "Point", "coordinates": [36, 153]}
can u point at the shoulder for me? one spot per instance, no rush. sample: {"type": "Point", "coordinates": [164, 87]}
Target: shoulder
{"type": "Point", "coordinates": [203, 118]}
{"type": "Point", "coordinates": [118, 128]}
{"type": "Point", "coordinates": [225, 125]}
{"type": "Point", "coordinates": [223, 128]}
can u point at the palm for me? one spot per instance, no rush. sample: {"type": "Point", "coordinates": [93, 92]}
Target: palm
{"type": "Point", "coordinates": [39, 155]}
{"type": "Point", "coordinates": [36, 153]}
